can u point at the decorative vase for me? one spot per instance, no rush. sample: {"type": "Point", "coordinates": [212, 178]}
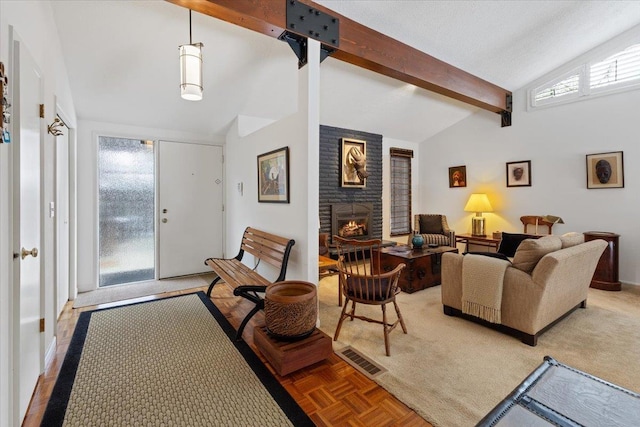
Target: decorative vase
{"type": "Point", "coordinates": [417, 241]}
{"type": "Point", "coordinates": [290, 309]}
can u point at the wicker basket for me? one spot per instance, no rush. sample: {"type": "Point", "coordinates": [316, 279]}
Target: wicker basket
{"type": "Point", "coordinates": [291, 309]}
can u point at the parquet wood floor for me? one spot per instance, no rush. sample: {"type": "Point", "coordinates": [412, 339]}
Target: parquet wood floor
{"type": "Point", "coordinates": [331, 392]}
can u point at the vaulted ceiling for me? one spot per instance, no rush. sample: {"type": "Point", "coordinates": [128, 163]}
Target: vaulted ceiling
{"type": "Point", "coordinates": [122, 60]}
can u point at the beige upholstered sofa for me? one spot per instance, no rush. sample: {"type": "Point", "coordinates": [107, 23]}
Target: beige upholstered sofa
{"type": "Point", "coordinates": [545, 281]}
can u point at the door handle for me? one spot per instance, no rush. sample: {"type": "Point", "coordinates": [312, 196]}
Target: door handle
{"type": "Point", "coordinates": [164, 220]}
{"type": "Point", "coordinates": [33, 252]}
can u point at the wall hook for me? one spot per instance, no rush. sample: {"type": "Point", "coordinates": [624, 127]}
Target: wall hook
{"type": "Point", "coordinates": [54, 128]}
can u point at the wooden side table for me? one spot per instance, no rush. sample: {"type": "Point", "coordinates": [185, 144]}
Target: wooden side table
{"type": "Point", "coordinates": [606, 274]}
{"type": "Point", "coordinates": [289, 356]}
{"type": "Point", "coordinates": [469, 239]}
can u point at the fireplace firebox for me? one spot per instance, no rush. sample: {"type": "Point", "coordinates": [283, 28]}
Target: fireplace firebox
{"type": "Point", "coordinates": [351, 220]}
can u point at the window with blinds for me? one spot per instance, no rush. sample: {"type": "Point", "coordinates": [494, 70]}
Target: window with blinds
{"type": "Point", "coordinates": [619, 71]}
{"type": "Point", "coordinates": [400, 191]}
{"type": "Point", "coordinates": [621, 68]}
{"type": "Point", "coordinates": [567, 86]}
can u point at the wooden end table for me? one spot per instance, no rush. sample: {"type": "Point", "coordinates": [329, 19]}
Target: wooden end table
{"type": "Point", "coordinates": [423, 265]}
{"type": "Point", "coordinates": [606, 274]}
{"type": "Point", "coordinates": [469, 239]}
{"type": "Point", "coordinates": [327, 267]}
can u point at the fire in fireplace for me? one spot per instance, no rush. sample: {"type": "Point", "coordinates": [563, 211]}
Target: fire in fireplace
{"type": "Point", "coordinates": [353, 228]}
{"type": "Point", "coordinates": [351, 220]}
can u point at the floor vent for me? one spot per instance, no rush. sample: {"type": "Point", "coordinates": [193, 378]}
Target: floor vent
{"type": "Point", "coordinates": [361, 362]}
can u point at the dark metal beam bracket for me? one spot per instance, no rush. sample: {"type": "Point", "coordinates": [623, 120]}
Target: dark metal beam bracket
{"type": "Point", "coordinates": [506, 114]}
{"type": "Point", "coordinates": [299, 46]}
{"type": "Point", "coordinates": [308, 21]}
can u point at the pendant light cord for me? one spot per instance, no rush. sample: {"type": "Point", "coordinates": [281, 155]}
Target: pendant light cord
{"type": "Point", "coordinates": [190, 41]}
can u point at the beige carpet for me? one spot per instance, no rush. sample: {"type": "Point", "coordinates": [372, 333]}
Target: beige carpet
{"type": "Point", "coordinates": [135, 290]}
{"type": "Point", "coordinates": [452, 371]}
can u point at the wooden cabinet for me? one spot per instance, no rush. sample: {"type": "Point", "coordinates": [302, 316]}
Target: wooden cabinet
{"type": "Point", "coordinates": [422, 265]}
{"type": "Point", "coordinates": [606, 274]}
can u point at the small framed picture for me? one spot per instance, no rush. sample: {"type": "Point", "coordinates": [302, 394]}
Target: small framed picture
{"type": "Point", "coordinates": [273, 176]}
{"type": "Point", "coordinates": [605, 170]}
{"type": "Point", "coordinates": [457, 176]}
{"type": "Point", "coordinates": [519, 174]}
{"type": "Point", "coordinates": [354, 163]}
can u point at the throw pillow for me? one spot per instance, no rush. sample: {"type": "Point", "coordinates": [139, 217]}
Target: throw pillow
{"type": "Point", "coordinates": [510, 242]}
{"type": "Point", "coordinates": [571, 239]}
{"type": "Point", "coordinates": [430, 224]}
{"type": "Point", "coordinates": [531, 251]}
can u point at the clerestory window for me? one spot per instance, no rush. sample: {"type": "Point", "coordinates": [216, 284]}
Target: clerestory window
{"type": "Point", "coordinates": [618, 71]}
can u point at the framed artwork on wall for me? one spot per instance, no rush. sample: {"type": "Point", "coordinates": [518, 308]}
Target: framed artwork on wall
{"type": "Point", "coordinates": [519, 174]}
{"type": "Point", "coordinates": [353, 160]}
{"type": "Point", "coordinates": [273, 176]}
{"type": "Point", "coordinates": [605, 170]}
{"type": "Point", "coordinates": [457, 176]}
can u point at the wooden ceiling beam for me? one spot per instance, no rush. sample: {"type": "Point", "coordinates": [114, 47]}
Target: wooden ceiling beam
{"type": "Point", "coordinates": [364, 47]}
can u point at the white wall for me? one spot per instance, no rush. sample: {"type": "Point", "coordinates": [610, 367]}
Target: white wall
{"type": "Point", "coordinates": [87, 185]}
{"type": "Point", "coordinates": [299, 218]}
{"type": "Point", "coordinates": [556, 140]}
{"type": "Point", "coordinates": [33, 21]}
{"type": "Point", "coordinates": [387, 143]}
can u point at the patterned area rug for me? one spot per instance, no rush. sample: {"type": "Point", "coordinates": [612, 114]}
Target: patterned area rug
{"type": "Point", "coordinates": [165, 362]}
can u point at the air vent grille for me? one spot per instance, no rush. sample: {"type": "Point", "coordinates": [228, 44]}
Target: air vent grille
{"type": "Point", "coordinates": [361, 362]}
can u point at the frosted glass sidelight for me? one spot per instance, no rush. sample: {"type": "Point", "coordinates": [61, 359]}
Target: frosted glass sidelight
{"type": "Point", "coordinates": [126, 209]}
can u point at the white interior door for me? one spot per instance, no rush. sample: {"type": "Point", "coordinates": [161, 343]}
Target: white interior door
{"type": "Point", "coordinates": [62, 219]}
{"type": "Point", "coordinates": [190, 207]}
{"type": "Point", "coordinates": [27, 97]}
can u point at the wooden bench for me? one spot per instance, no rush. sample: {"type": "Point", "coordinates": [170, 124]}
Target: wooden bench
{"type": "Point", "coordinates": [245, 281]}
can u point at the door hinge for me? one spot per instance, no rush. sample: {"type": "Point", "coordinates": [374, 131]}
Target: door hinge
{"type": "Point", "coordinates": [42, 111]}
{"type": "Point", "coordinates": [42, 325]}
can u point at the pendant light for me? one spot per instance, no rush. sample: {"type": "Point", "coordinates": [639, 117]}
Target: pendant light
{"type": "Point", "coordinates": [191, 69]}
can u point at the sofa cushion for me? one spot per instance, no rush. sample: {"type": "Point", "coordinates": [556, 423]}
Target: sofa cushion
{"type": "Point", "coordinates": [531, 251]}
{"type": "Point", "coordinates": [430, 224]}
{"type": "Point", "coordinates": [571, 239]}
{"type": "Point", "coordinates": [510, 242]}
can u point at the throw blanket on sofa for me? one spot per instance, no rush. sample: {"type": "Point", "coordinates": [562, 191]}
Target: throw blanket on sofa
{"type": "Point", "coordinates": [482, 286]}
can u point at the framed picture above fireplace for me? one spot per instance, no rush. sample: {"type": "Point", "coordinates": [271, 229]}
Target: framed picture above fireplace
{"type": "Point", "coordinates": [273, 176]}
{"type": "Point", "coordinates": [353, 162]}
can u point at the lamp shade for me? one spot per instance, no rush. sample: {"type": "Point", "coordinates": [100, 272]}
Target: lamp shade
{"type": "Point", "coordinates": [191, 71]}
{"type": "Point", "coordinates": [478, 202]}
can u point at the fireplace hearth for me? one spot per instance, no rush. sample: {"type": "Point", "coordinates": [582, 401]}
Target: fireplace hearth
{"type": "Point", "coordinates": [351, 220]}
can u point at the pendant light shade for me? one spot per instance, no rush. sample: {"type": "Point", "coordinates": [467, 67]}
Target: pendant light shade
{"type": "Point", "coordinates": [191, 69]}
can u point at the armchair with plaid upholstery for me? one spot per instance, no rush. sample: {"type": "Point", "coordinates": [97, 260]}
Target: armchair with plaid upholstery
{"type": "Point", "coordinates": [434, 230]}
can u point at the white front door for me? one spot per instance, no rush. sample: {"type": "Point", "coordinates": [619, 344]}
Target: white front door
{"type": "Point", "coordinates": [27, 357]}
{"type": "Point", "coordinates": [190, 207]}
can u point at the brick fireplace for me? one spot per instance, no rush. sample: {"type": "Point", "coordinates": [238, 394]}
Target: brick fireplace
{"type": "Point", "coordinates": [332, 195]}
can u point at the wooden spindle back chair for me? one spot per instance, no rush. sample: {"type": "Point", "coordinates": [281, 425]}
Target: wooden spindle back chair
{"type": "Point", "coordinates": [361, 283]}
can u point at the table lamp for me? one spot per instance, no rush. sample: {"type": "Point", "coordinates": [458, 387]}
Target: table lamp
{"type": "Point", "coordinates": [478, 203]}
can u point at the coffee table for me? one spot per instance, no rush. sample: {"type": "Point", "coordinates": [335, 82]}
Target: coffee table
{"type": "Point", "coordinates": [422, 265]}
